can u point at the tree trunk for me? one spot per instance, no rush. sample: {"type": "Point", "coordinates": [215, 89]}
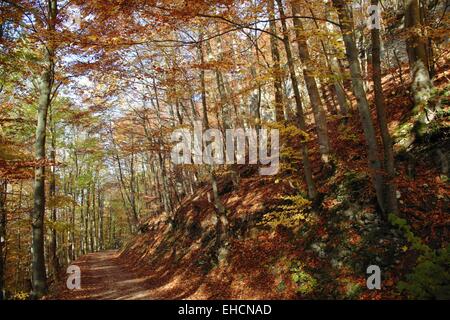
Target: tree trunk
{"type": "Point", "coordinates": [3, 190]}
{"type": "Point", "coordinates": [217, 202]}
{"type": "Point", "coordinates": [221, 218]}
{"type": "Point", "coordinates": [165, 183]}
{"type": "Point", "coordinates": [133, 222]}
{"type": "Point", "coordinates": [333, 67]}
{"type": "Point", "coordinates": [39, 276]}
{"type": "Point", "coordinates": [419, 67]}
{"type": "Point", "coordinates": [82, 231]}
{"type": "Point", "coordinates": [53, 241]}
{"type": "Point", "coordinates": [312, 192]}
{"type": "Point", "coordinates": [226, 103]}
{"type": "Point", "coordinates": [311, 85]}
{"type": "Point", "coordinates": [133, 204]}
{"type": "Point", "coordinates": [276, 66]}
{"type": "Point", "coordinates": [390, 194]}
{"type": "Point", "coordinates": [87, 216]}
{"type": "Point", "coordinates": [101, 212]}
{"type": "Point", "coordinates": [93, 222]}
{"type": "Point", "coordinates": [346, 22]}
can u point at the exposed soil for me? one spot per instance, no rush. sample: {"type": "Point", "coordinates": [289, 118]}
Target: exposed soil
{"type": "Point", "coordinates": [104, 276]}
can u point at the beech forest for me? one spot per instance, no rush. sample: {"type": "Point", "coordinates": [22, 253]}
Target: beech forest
{"type": "Point", "coordinates": [224, 149]}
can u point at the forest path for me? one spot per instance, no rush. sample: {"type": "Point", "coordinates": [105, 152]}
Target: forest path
{"type": "Point", "coordinates": [104, 276]}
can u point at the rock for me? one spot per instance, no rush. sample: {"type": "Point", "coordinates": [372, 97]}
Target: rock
{"type": "Point", "coordinates": [210, 222]}
{"type": "Point", "coordinates": [319, 248]}
{"type": "Point", "coordinates": [223, 254]}
{"type": "Point", "coordinates": [336, 263]}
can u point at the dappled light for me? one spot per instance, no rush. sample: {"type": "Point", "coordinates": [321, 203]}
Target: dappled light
{"type": "Point", "coordinates": [224, 150]}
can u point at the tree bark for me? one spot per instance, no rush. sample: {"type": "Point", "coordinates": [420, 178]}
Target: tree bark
{"type": "Point", "coordinates": [39, 274]}
{"type": "Point", "coordinates": [346, 25]}
{"type": "Point", "coordinates": [3, 190]}
{"type": "Point", "coordinates": [312, 192]}
{"type": "Point", "coordinates": [221, 218]}
{"type": "Point", "coordinates": [333, 67]}
{"type": "Point", "coordinates": [419, 66]}
{"type": "Point", "coordinates": [390, 194]}
{"type": "Point", "coordinates": [280, 113]}
{"type": "Point", "coordinates": [53, 240]}
{"type": "Point", "coordinates": [311, 85]}
{"type": "Point", "coordinates": [217, 202]}
{"type": "Point", "coordinates": [101, 213]}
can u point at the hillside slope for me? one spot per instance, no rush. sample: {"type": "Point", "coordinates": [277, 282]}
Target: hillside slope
{"type": "Point", "coordinates": [283, 247]}
{"type": "Point", "coordinates": [324, 254]}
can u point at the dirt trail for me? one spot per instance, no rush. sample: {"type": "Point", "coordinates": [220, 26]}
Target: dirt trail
{"type": "Point", "coordinates": [105, 277]}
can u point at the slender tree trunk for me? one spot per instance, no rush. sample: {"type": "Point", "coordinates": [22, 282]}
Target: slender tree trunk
{"type": "Point", "coordinates": [92, 223]}
{"type": "Point", "coordinates": [226, 103]}
{"type": "Point", "coordinates": [132, 187]}
{"type": "Point", "coordinates": [333, 67]}
{"type": "Point", "coordinates": [276, 66]}
{"type": "Point", "coordinates": [101, 212]}
{"type": "Point", "coordinates": [419, 67]}
{"type": "Point", "coordinates": [341, 98]}
{"type": "Point", "coordinates": [164, 177]}
{"type": "Point", "coordinates": [3, 190]}
{"type": "Point", "coordinates": [390, 194]}
{"type": "Point", "coordinates": [87, 218]}
{"type": "Point", "coordinates": [329, 96]}
{"type": "Point", "coordinates": [53, 240]}
{"type": "Point", "coordinates": [72, 246]}
{"type": "Point", "coordinates": [19, 277]}
{"type": "Point", "coordinates": [82, 229]}
{"type": "Point", "coordinates": [133, 222]}
{"type": "Point", "coordinates": [311, 85]}
{"type": "Point", "coordinates": [156, 184]}
{"type": "Point", "coordinates": [222, 222]}
{"type": "Point", "coordinates": [218, 203]}
{"type": "Point", "coordinates": [165, 182]}
{"type": "Point", "coordinates": [39, 275]}
{"type": "Point", "coordinates": [346, 22]}
{"type": "Point", "coordinates": [111, 229]}
{"type": "Point", "coordinates": [416, 43]}
{"type": "Point", "coordinates": [312, 192]}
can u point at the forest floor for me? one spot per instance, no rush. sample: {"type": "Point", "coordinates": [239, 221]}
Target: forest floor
{"type": "Point", "coordinates": [104, 276]}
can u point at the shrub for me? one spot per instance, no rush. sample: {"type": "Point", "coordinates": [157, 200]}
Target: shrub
{"type": "Point", "coordinates": [290, 214]}
{"type": "Point", "coordinates": [430, 278]}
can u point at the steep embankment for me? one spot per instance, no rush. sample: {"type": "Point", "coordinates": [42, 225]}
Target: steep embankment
{"type": "Point", "coordinates": [328, 246]}
{"type": "Point", "coordinates": [317, 250]}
